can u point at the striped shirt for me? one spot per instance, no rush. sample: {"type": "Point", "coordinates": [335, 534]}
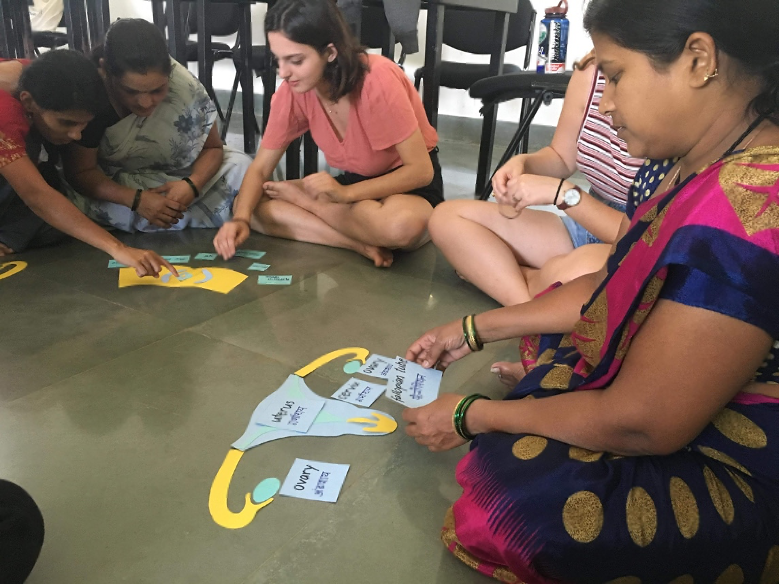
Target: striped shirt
{"type": "Point", "coordinates": [602, 156]}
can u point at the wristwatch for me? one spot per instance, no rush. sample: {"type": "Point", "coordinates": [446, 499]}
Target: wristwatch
{"type": "Point", "coordinates": [571, 198]}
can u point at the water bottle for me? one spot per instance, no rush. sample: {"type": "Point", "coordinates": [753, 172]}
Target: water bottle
{"type": "Point", "coordinates": [553, 39]}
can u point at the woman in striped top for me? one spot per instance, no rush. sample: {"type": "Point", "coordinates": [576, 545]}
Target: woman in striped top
{"type": "Point", "coordinates": [514, 258]}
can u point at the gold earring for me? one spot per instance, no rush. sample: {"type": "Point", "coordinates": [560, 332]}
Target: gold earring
{"type": "Point", "coordinates": [712, 76]}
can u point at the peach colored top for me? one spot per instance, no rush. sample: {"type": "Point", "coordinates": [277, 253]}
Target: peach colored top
{"type": "Point", "coordinates": [386, 111]}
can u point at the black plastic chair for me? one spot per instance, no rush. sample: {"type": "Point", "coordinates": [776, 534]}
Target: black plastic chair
{"type": "Point", "coordinates": [50, 39]}
{"type": "Point", "coordinates": [258, 59]}
{"type": "Point", "coordinates": [533, 88]}
{"type": "Point", "coordinates": [473, 31]}
{"type": "Point", "coordinates": [375, 33]}
{"type": "Point", "coordinates": [223, 20]}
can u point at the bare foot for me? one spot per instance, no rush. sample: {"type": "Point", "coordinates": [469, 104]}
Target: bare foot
{"type": "Point", "coordinates": [5, 250]}
{"type": "Point", "coordinates": [289, 192]}
{"type": "Point", "coordinates": [461, 276]}
{"type": "Point", "coordinates": [509, 373]}
{"type": "Point", "coordinates": [382, 257]}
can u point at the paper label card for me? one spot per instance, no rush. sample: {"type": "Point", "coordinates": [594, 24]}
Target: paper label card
{"type": "Point", "coordinates": [205, 256]}
{"type": "Point", "coordinates": [291, 414]}
{"type": "Point", "coordinates": [115, 264]}
{"type": "Point", "coordinates": [315, 480]}
{"type": "Point", "coordinates": [250, 254]}
{"type": "Point", "coordinates": [359, 392]}
{"type": "Point", "coordinates": [260, 267]}
{"type": "Point", "coordinates": [412, 385]}
{"type": "Point", "coordinates": [176, 259]}
{"type": "Point", "coordinates": [274, 279]}
{"type": "Point", "coordinates": [378, 366]}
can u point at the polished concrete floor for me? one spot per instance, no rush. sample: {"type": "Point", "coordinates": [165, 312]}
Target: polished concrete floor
{"type": "Point", "coordinates": [119, 405]}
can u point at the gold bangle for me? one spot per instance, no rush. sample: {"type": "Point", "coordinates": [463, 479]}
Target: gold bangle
{"type": "Point", "coordinates": [466, 335]}
{"type": "Point", "coordinates": [477, 343]}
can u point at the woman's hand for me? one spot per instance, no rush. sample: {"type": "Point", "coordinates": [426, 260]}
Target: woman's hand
{"type": "Point", "coordinates": [160, 210]}
{"type": "Point", "coordinates": [231, 235]}
{"type": "Point", "coordinates": [322, 184]}
{"type": "Point", "coordinates": [442, 346]}
{"type": "Point", "coordinates": [528, 190]}
{"type": "Point", "coordinates": [512, 170]}
{"type": "Point", "coordinates": [145, 262]}
{"type": "Point", "coordinates": [178, 191]}
{"type": "Point", "coordinates": [433, 425]}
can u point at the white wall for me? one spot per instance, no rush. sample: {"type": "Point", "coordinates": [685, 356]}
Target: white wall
{"type": "Point", "coordinates": [452, 102]}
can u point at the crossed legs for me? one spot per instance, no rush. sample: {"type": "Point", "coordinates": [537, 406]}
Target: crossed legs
{"type": "Point", "coordinates": [371, 228]}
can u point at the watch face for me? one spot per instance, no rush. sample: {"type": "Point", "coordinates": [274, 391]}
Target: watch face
{"type": "Point", "coordinates": [572, 197]}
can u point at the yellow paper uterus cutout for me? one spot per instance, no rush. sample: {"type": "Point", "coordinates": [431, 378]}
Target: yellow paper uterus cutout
{"type": "Point", "coordinates": [335, 419]}
{"type": "Point", "coordinates": [221, 280]}
{"type": "Point", "coordinates": [10, 268]}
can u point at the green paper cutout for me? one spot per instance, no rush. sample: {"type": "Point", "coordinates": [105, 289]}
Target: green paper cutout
{"type": "Point", "coordinates": [352, 366]}
{"type": "Point", "coordinates": [266, 489]}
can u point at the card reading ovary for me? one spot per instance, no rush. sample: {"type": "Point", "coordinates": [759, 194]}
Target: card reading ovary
{"type": "Point", "coordinates": [314, 480]}
{"type": "Point", "coordinates": [412, 385]}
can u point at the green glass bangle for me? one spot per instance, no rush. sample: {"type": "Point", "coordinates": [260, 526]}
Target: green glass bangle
{"type": "Point", "coordinates": [460, 420]}
{"type": "Point", "coordinates": [459, 415]}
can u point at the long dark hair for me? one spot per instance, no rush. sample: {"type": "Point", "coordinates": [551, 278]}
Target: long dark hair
{"type": "Point", "coordinates": [745, 30]}
{"type": "Point", "coordinates": [64, 80]}
{"type": "Point", "coordinates": [133, 45]}
{"type": "Point", "coordinates": [318, 23]}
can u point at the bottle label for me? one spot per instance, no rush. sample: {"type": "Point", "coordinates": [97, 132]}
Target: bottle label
{"type": "Point", "coordinates": [543, 47]}
{"type": "Point", "coordinates": [558, 46]}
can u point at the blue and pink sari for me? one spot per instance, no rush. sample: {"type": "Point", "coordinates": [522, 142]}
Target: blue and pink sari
{"type": "Point", "coordinates": [538, 510]}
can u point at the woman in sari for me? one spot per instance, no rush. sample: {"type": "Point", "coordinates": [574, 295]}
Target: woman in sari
{"type": "Point", "coordinates": [643, 445]}
{"type": "Point", "coordinates": [153, 160]}
{"type": "Point", "coordinates": [56, 98]}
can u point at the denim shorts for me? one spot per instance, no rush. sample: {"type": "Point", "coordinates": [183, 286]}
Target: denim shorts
{"type": "Point", "coordinates": [579, 235]}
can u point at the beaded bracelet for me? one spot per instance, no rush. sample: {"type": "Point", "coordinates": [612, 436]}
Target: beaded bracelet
{"type": "Point", "coordinates": [189, 182]}
{"type": "Point", "coordinates": [458, 417]}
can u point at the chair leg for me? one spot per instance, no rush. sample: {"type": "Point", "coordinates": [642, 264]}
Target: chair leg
{"type": "Point", "coordinates": [231, 103]}
{"type": "Point", "coordinates": [219, 109]}
{"type": "Point", "coordinates": [514, 144]}
{"type": "Point", "coordinates": [525, 143]}
{"type": "Point", "coordinates": [212, 94]}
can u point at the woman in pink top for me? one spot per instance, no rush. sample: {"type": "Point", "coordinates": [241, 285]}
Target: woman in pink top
{"type": "Point", "coordinates": [365, 116]}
